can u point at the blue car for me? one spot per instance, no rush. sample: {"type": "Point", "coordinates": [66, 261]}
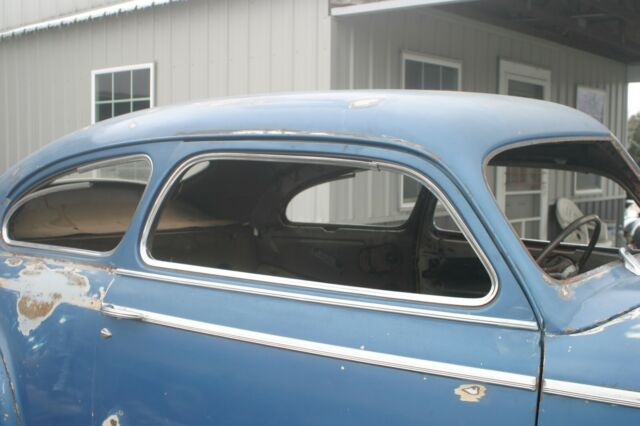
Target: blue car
{"type": "Point", "coordinates": [343, 258]}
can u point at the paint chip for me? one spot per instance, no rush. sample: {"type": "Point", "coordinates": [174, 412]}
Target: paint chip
{"type": "Point", "coordinates": [470, 392]}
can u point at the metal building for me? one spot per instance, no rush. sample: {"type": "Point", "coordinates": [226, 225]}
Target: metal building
{"type": "Point", "coordinates": [65, 64]}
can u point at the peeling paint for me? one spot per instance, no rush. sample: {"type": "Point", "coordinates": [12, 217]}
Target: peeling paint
{"type": "Point", "coordinates": [13, 262]}
{"type": "Point", "coordinates": [42, 289]}
{"type": "Point", "coordinates": [631, 315]}
{"type": "Point", "coordinates": [112, 420]}
{"type": "Point", "coordinates": [470, 392]}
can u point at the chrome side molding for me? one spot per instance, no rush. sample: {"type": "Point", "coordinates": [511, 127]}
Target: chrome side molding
{"type": "Point", "coordinates": [473, 374]}
{"type": "Point", "coordinates": [592, 393]}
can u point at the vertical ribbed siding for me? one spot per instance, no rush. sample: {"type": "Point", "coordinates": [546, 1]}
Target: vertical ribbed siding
{"type": "Point", "coordinates": [202, 49]}
{"type": "Point", "coordinates": [16, 13]}
{"type": "Point", "coordinates": [368, 53]}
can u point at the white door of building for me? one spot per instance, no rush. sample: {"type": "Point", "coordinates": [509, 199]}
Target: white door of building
{"type": "Point", "coordinates": [522, 193]}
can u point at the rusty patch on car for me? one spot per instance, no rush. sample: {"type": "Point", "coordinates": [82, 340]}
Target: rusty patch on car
{"type": "Point", "coordinates": [112, 420]}
{"type": "Point", "coordinates": [41, 289]}
{"type": "Point", "coordinates": [470, 392]}
{"type": "Point", "coordinates": [13, 262]}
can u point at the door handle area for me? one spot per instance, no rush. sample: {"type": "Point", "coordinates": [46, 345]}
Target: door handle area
{"type": "Point", "coordinates": [120, 312]}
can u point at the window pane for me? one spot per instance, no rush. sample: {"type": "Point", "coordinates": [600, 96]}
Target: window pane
{"type": "Point", "coordinates": [88, 211]}
{"type": "Point", "coordinates": [525, 90]}
{"type": "Point", "coordinates": [588, 181]}
{"type": "Point", "coordinates": [120, 108]}
{"type": "Point", "coordinates": [431, 77]}
{"type": "Point", "coordinates": [138, 105]}
{"type": "Point", "coordinates": [413, 75]}
{"type": "Point", "coordinates": [103, 87]}
{"type": "Point", "coordinates": [522, 206]}
{"type": "Point", "coordinates": [122, 85]}
{"type": "Point", "coordinates": [141, 83]}
{"type": "Point", "coordinates": [103, 111]}
{"type": "Point", "coordinates": [449, 78]}
{"type": "Point", "coordinates": [523, 179]}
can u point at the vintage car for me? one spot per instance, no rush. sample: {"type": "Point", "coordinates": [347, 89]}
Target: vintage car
{"type": "Point", "coordinates": [392, 258]}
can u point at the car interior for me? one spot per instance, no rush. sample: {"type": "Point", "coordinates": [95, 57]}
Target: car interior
{"type": "Point", "coordinates": [341, 224]}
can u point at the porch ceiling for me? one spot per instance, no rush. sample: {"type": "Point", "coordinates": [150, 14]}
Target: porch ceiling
{"type": "Point", "coordinates": [608, 28]}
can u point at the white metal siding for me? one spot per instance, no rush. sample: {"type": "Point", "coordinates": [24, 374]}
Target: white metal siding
{"type": "Point", "coordinates": [202, 49]}
{"type": "Point", "coordinates": [368, 48]}
{"type": "Point", "coordinates": [16, 13]}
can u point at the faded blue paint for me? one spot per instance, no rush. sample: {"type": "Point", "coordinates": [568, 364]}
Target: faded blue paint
{"type": "Point", "coordinates": [65, 374]}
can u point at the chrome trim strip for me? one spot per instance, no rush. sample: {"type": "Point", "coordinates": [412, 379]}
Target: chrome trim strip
{"type": "Point", "coordinates": [453, 316]}
{"type": "Point", "coordinates": [592, 393]}
{"type": "Point", "coordinates": [456, 371]}
{"type": "Point", "coordinates": [73, 185]}
{"type": "Point", "coordinates": [377, 165]}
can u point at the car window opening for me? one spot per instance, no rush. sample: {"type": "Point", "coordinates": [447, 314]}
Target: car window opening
{"type": "Point", "coordinates": [568, 202]}
{"type": "Point", "coordinates": [87, 210]}
{"type": "Point", "coordinates": [317, 222]}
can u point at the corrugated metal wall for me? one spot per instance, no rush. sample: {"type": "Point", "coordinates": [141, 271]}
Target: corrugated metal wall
{"type": "Point", "coordinates": [202, 49]}
{"type": "Point", "coordinates": [16, 13]}
{"type": "Point", "coordinates": [368, 48]}
{"type": "Point", "coordinates": [367, 53]}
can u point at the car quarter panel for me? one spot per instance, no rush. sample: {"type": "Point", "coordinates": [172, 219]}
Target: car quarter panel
{"type": "Point", "coordinates": [49, 322]}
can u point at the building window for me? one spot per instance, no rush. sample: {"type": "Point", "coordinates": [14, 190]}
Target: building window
{"type": "Point", "coordinates": [423, 72]}
{"type": "Point", "coordinates": [121, 90]}
{"type": "Point", "coordinates": [587, 183]}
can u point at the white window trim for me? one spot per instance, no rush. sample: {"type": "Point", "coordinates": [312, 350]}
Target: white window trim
{"type": "Point", "coordinates": [429, 59]}
{"type": "Point", "coordinates": [525, 73]}
{"type": "Point", "coordinates": [589, 191]}
{"type": "Point", "coordinates": [151, 66]}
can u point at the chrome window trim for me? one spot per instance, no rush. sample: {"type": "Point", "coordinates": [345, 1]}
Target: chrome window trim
{"type": "Point", "coordinates": [74, 185]}
{"type": "Point", "coordinates": [379, 307]}
{"type": "Point", "coordinates": [602, 394]}
{"type": "Point", "coordinates": [337, 288]}
{"type": "Point", "coordinates": [456, 371]}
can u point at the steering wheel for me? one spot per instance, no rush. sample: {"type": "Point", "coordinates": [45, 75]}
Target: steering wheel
{"type": "Point", "coordinates": [572, 227]}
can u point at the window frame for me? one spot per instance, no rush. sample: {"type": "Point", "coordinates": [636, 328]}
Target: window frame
{"type": "Point", "coordinates": [34, 192]}
{"type": "Point", "coordinates": [151, 66]}
{"type": "Point", "coordinates": [184, 164]}
{"type": "Point", "coordinates": [425, 58]}
{"type": "Point", "coordinates": [588, 191]}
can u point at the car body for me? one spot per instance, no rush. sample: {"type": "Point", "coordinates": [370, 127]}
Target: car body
{"type": "Point", "coordinates": [160, 312]}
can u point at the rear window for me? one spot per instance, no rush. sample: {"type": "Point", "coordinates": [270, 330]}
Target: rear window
{"type": "Point", "coordinates": [89, 208]}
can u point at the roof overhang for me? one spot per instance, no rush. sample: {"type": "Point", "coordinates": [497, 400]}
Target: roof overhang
{"type": "Point", "coordinates": [123, 7]}
{"type": "Point", "coordinates": [609, 28]}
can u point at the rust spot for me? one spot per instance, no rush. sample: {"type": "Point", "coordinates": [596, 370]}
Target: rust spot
{"type": "Point", "coordinates": [112, 420]}
{"type": "Point", "coordinates": [470, 392]}
{"type": "Point", "coordinates": [33, 309]}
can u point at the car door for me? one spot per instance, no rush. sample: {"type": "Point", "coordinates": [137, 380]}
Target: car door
{"type": "Point", "coordinates": [190, 344]}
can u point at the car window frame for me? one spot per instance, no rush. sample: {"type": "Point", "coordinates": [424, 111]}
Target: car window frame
{"type": "Point", "coordinates": [36, 191]}
{"type": "Point", "coordinates": [182, 165]}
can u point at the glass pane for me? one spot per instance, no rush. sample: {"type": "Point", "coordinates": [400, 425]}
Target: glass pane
{"type": "Point", "coordinates": [413, 75]}
{"type": "Point", "coordinates": [443, 220]}
{"type": "Point", "coordinates": [122, 85]}
{"type": "Point", "coordinates": [103, 111]}
{"type": "Point", "coordinates": [431, 79]}
{"type": "Point", "coordinates": [532, 229]}
{"type": "Point", "coordinates": [525, 90]}
{"type": "Point", "coordinates": [120, 108]}
{"type": "Point", "coordinates": [138, 105]}
{"type": "Point", "coordinates": [449, 78]}
{"type": "Point", "coordinates": [523, 179]}
{"type": "Point", "coordinates": [141, 84]}
{"type": "Point", "coordinates": [522, 206]}
{"type": "Point", "coordinates": [588, 181]}
{"type": "Point", "coordinates": [103, 87]}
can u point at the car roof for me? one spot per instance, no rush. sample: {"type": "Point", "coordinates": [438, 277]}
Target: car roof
{"type": "Point", "coordinates": [441, 123]}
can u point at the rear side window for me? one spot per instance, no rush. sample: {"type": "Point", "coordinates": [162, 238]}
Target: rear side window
{"type": "Point", "coordinates": [89, 208]}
